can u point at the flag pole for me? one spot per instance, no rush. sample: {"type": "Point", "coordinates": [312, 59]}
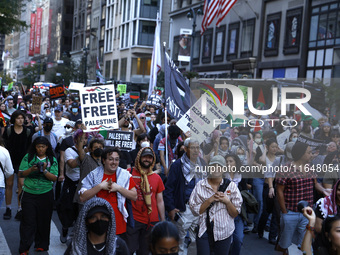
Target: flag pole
{"type": "Point", "coordinates": [166, 124]}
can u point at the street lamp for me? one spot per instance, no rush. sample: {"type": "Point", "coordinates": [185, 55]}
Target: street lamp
{"type": "Point", "coordinates": [191, 15]}
{"type": "Point", "coordinates": [86, 52]}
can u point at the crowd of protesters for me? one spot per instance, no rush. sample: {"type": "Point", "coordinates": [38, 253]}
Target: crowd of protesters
{"type": "Point", "coordinates": [166, 194]}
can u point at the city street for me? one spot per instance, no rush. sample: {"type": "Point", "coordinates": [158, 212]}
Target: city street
{"type": "Point", "coordinates": [10, 238]}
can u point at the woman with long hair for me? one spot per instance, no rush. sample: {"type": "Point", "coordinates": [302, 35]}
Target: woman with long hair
{"type": "Point", "coordinates": [39, 167]}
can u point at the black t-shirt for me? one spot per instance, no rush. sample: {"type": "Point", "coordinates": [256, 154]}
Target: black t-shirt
{"type": "Point", "coordinates": [66, 143]}
{"type": "Point", "coordinates": [125, 159]}
{"type": "Point", "coordinates": [75, 117]}
{"type": "Point", "coordinates": [17, 144]}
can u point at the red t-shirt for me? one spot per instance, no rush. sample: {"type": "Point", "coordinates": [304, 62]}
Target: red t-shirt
{"type": "Point", "coordinates": [112, 199]}
{"type": "Point", "coordinates": [139, 209]}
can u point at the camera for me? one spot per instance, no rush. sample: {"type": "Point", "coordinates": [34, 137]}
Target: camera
{"type": "Point", "coordinates": [40, 166]}
{"type": "Point", "coordinates": [301, 205]}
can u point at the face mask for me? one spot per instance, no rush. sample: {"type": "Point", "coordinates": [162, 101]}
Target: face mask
{"type": "Point", "coordinates": [25, 122]}
{"type": "Point", "coordinates": [98, 227]}
{"type": "Point", "coordinates": [68, 130]}
{"type": "Point", "coordinates": [98, 152]}
{"type": "Point", "coordinates": [294, 139]}
{"type": "Point", "coordinates": [48, 114]}
{"type": "Point", "coordinates": [148, 118]}
{"type": "Point", "coordinates": [74, 110]}
{"type": "Point", "coordinates": [145, 144]}
{"type": "Point", "coordinates": [242, 157]}
{"type": "Point", "coordinates": [258, 140]}
{"type": "Point", "coordinates": [48, 128]}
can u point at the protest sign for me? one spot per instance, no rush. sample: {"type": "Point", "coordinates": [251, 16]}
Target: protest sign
{"type": "Point", "coordinates": [121, 88]}
{"type": "Point", "coordinates": [98, 108]}
{"type": "Point", "coordinates": [154, 100]}
{"type": "Point", "coordinates": [36, 105]}
{"type": "Point", "coordinates": [314, 143]}
{"type": "Point", "coordinates": [121, 139]}
{"type": "Point", "coordinates": [282, 138]}
{"type": "Point", "coordinates": [201, 124]}
{"type": "Point", "coordinates": [57, 91]}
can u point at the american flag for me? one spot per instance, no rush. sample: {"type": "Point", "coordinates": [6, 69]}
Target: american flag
{"type": "Point", "coordinates": [213, 8]}
{"type": "Point", "coordinates": [225, 7]}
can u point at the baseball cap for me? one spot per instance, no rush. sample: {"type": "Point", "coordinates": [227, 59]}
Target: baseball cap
{"type": "Point", "coordinates": [70, 123]}
{"type": "Point", "coordinates": [218, 159]}
{"type": "Point", "coordinates": [74, 105]}
{"type": "Point", "coordinates": [147, 112]}
{"type": "Point", "coordinates": [58, 108]}
{"type": "Point", "coordinates": [98, 209]}
{"type": "Point", "coordinates": [48, 120]}
{"type": "Point", "coordinates": [147, 151]}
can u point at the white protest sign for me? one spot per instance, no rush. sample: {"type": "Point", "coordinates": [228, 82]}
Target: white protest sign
{"type": "Point", "coordinates": [98, 108]}
{"type": "Point", "coordinates": [281, 138]}
{"type": "Point", "coordinates": [199, 124]}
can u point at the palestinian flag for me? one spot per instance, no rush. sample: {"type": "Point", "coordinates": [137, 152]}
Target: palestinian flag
{"type": "Point", "coordinates": [3, 118]}
{"type": "Point", "coordinates": [134, 96]}
{"type": "Point", "coordinates": [316, 115]}
{"type": "Point", "coordinates": [260, 100]}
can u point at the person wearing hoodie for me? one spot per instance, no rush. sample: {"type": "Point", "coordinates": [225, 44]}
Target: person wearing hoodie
{"type": "Point", "coordinates": [148, 209]}
{"type": "Point", "coordinates": [95, 231]}
{"type": "Point", "coordinates": [47, 132]}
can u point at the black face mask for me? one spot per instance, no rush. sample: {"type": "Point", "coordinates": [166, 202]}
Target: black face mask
{"type": "Point", "coordinates": [48, 128]}
{"type": "Point", "coordinates": [98, 152]}
{"type": "Point", "coordinates": [98, 227]}
{"type": "Point", "coordinates": [25, 122]}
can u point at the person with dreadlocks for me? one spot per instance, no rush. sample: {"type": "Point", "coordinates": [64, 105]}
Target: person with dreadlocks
{"type": "Point", "coordinates": [39, 167]}
{"type": "Point", "coordinates": [148, 209]}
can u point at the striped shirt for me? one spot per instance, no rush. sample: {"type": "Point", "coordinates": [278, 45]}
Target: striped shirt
{"type": "Point", "coordinates": [223, 223]}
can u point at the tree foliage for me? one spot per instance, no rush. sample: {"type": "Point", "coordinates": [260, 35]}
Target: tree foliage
{"type": "Point", "coordinates": [10, 16]}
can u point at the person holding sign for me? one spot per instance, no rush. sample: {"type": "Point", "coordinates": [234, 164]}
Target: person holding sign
{"type": "Point", "coordinates": [112, 183]}
{"type": "Point", "coordinates": [124, 123]}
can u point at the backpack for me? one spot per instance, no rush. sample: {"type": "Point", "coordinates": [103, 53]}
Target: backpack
{"type": "Point", "coordinates": [9, 131]}
{"type": "Point", "coordinates": [250, 204]}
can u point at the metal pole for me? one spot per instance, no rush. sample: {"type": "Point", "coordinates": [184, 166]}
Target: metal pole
{"type": "Point", "coordinates": [192, 37]}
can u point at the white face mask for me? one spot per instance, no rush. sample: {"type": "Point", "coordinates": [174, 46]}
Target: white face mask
{"type": "Point", "coordinates": [145, 144]}
{"type": "Point", "coordinates": [258, 140]}
{"type": "Point", "coordinates": [48, 114]}
{"type": "Point", "coordinates": [294, 139]}
{"type": "Point", "coordinates": [242, 157]}
{"type": "Point", "coordinates": [68, 130]}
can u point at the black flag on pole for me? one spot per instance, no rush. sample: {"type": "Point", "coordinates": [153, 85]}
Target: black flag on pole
{"type": "Point", "coordinates": [177, 92]}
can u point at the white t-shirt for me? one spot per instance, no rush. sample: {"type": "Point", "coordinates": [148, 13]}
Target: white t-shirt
{"type": "Point", "coordinates": [58, 126]}
{"type": "Point", "coordinates": [6, 162]}
{"type": "Point", "coordinates": [72, 173]}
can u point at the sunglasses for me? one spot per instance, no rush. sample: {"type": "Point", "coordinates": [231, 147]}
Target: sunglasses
{"type": "Point", "coordinates": [67, 127]}
{"type": "Point", "coordinates": [142, 118]}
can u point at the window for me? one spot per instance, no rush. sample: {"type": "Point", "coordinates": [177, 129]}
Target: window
{"type": "Point", "coordinates": [272, 35]}
{"type": "Point", "coordinates": [107, 69]}
{"type": "Point", "coordinates": [292, 31]}
{"type": "Point", "coordinates": [102, 32]}
{"type": "Point", "coordinates": [141, 66]}
{"type": "Point", "coordinates": [207, 46]}
{"type": "Point", "coordinates": [146, 33]}
{"type": "Point", "coordinates": [219, 43]}
{"type": "Point", "coordinates": [115, 69]}
{"type": "Point", "coordinates": [197, 48]}
{"type": "Point", "coordinates": [233, 35]}
{"type": "Point", "coordinates": [248, 30]}
{"type": "Point", "coordinates": [123, 64]}
{"type": "Point", "coordinates": [103, 12]}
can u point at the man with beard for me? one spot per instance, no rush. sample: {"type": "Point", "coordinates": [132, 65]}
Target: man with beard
{"type": "Point", "coordinates": [171, 144]}
{"type": "Point", "coordinates": [183, 175]}
{"type": "Point", "coordinates": [124, 123]}
{"type": "Point", "coordinates": [149, 207]}
{"type": "Point", "coordinates": [112, 183]}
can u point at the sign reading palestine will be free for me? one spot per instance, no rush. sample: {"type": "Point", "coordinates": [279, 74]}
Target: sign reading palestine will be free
{"type": "Point", "coordinates": [98, 108]}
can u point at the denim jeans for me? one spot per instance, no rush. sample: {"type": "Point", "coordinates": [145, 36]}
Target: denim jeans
{"type": "Point", "coordinates": [220, 247]}
{"type": "Point", "coordinates": [258, 194]}
{"type": "Point", "coordinates": [293, 228]}
{"type": "Point", "coordinates": [2, 195]}
{"type": "Point", "coordinates": [237, 236]}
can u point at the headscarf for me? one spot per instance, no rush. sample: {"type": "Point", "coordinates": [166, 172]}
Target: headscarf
{"type": "Point", "coordinates": [328, 204]}
{"type": "Point", "coordinates": [144, 185]}
{"type": "Point", "coordinates": [79, 240]}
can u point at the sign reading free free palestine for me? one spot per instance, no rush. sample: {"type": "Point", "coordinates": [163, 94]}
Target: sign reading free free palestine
{"type": "Point", "coordinates": [98, 108]}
